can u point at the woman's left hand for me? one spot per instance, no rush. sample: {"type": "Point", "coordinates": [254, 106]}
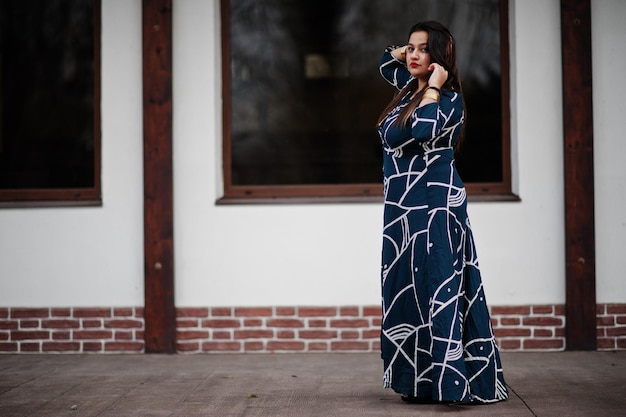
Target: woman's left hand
{"type": "Point", "coordinates": [438, 77]}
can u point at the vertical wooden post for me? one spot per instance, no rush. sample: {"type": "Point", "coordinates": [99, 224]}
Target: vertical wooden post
{"type": "Point", "coordinates": [579, 180]}
{"type": "Point", "coordinates": [160, 313]}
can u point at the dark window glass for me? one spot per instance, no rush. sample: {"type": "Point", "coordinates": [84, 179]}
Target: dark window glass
{"type": "Point", "coordinates": [303, 91]}
{"type": "Point", "coordinates": [48, 98]}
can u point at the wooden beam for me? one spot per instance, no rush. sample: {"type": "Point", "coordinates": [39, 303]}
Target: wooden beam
{"type": "Point", "coordinates": [159, 310]}
{"type": "Point", "coordinates": [580, 309]}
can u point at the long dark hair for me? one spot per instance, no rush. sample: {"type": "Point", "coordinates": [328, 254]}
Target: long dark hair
{"type": "Point", "coordinates": [443, 52]}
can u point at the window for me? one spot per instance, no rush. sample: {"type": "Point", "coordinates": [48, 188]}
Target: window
{"type": "Point", "coordinates": [49, 102]}
{"type": "Point", "coordinates": [302, 93]}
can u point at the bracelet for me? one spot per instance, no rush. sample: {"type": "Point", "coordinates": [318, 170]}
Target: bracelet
{"type": "Point", "coordinates": [434, 88]}
{"type": "Point", "coordinates": [432, 96]}
{"type": "Point", "coordinates": [403, 52]}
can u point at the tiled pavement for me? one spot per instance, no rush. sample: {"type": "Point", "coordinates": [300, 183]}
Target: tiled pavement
{"type": "Point", "coordinates": [326, 385]}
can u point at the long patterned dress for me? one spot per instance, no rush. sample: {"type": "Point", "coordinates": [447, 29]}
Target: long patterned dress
{"type": "Point", "coordinates": [437, 341]}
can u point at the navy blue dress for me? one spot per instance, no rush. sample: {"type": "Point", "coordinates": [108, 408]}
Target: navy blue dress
{"type": "Point", "coordinates": [437, 341]}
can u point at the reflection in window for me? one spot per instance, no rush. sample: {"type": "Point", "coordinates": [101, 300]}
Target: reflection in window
{"type": "Point", "coordinates": [47, 94]}
{"type": "Point", "coordinates": [305, 91]}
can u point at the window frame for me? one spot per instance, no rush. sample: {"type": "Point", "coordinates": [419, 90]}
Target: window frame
{"type": "Point", "coordinates": [87, 196]}
{"type": "Point", "coordinates": [477, 191]}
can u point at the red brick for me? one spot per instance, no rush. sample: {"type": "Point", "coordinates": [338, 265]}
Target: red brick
{"type": "Point", "coordinates": [253, 346]}
{"type": "Point", "coordinates": [377, 321]}
{"type": "Point", "coordinates": [92, 324]}
{"type": "Point", "coordinates": [543, 310]}
{"type": "Point", "coordinates": [559, 332]}
{"type": "Point", "coordinates": [317, 311]}
{"type": "Point", "coordinates": [543, 321]}
{"type": "Point", "coordinates": [60, 335]}
{"type": "Point", "coordinates": [221, 323]}
{"type": "Point", "coordinates": [8, 325]}
{"type": "Point", "coordinates": [123, 324]}
{"type": "Point", "coordinates": [123, 347]}
{"type": "Point", "coordinates": [621, 343]}
{"type": "Point", "coordinates": [92, 346]}
{"type": "Point", "coordinates": [29, 335]}
{"type": "Point", "coordinates": [29, 313]}
{"type": "Point", "coordinates": [559, 310]}
{"type": "Point", "coordinates": [92, 334]}
{"type": "Point", "coordinates": [4, 336]}
{"type": "Point", "coordinates": [221, 346]}
{"type": "Point", "coordinates": [317, 334]}
{"type": "Point", "coordinates": [352, 323]}
{"type": "Point", "coordinates": [376, 346]}
{"type": "Point", "coordinates": [253, 312]}
{"type": "Point", "coordinates": [254, 334]}
{"type": "Point", "coordinates": [30, 347]}
{"type": "Point", "coordinates": [60, 324]}
{"type": "Point", "coordinates": [349, 345]}
{"type": "Point", "coordinates": [29, 324]}
{"type": "Point", "coordinates": [510, 321]}
{"type": "Point", "coordinates": [543, 333]}
{"type": "Point", "coordinates": [187, 346]}
{"type": "Point", "coordinates": [620, 319]}
{"type": "Point", "coordinates": [606, 343]}
{"type": "Point", "coordinates": [544, 344]}
{"type": "Point", "coordinates": [510, 344]}
{"type": "Point", "coordinates": [192, 312]}
{"type": "Point", "coordinates": [139, 334]}
{"type": "Point", "coordinates": [605, 321]}
{"type": "Point", "coordinates": [509, 311]}
{"type": "Point", "coordinates": [285, 311]}
{"type": "Point", "coordinates": [92, 312]}
{"type": "Point", "coordinates": [616, 308]}
{"type": "Point", "coordinates": [180, 323]}
{"type": "Point", "coordinates": [285, 334]}
{"type": "Point", "coordinates": [317, 323]}
{"type": "Point", "coordinates": [601, 309]}
{"type": "Point", "coordinates": [8, 347]}
{"type": "Point", "coordinates": [221, 312]}
{"type": "Point", "coordinates": [119, 335]}
{"type": "Point", "coordinates": [139, 312]}
{"type": "Point", "coordinates": [252, 323]}
{"type": "Point", "coordinates": [192, 334]}
{"type": "Point", "coordinates": [221, 335]}
{"type": "Point", "coordinates": [60, 347]}
{"type": "Point", "coordinates": [285, 346]}
{"type": "Point", "coordinates": [318, 346]}
{"type": "Point", "coordinates": [293, 323]}
{"type": "Point", "coordinates": [349, 311]}
{"type": "Point", "coordinates": [371, 334]}
{"type": "Point", "coordinates": [616, 331]}
{"type": "Point", "coordinates": [511, 332]}
{"type": "Point", "coordinates": [349, 334]}
{"type": "Point", "coordinates": [494, 322]}
{"type": "Point", "coordinates": [122, 312]}
{"type": "Point", "coordinates": [4, 313]}
{"type": "Point", "coordinates": [600, 331]}
{"type": "Point", "coordinates": [372, 311]}
{"type": "Point", "coordinates": [60, 312]}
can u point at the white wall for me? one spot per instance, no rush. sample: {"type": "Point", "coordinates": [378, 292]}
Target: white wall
{"type": "Point", "coordinates": [90, 256]}
{"type": "Point", "coordinates": [609, 90]}
{"type": "Point", "coordinates": [329, 254]}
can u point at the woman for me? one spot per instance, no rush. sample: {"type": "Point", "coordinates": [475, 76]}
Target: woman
{"type": "Point", "coordinates": [437, 342]}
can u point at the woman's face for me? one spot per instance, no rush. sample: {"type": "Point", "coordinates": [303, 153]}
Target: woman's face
{"type": "Point", "coordinates": [418, 56]}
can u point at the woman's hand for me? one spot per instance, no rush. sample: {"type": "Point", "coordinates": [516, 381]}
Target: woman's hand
{"type": "Point", "coordinates": [438, 77]}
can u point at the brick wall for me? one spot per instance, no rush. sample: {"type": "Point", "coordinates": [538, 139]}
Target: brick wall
{"type": "Point", "coordinates": [273, 329]}
{"type": "Point", "coordinates": [71, 330]}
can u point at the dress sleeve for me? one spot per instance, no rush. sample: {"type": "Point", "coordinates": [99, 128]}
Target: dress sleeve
{"type": "Point", "coordinates": [393, 70]}
{"type": "Point", "coordinates": [429, 121]}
